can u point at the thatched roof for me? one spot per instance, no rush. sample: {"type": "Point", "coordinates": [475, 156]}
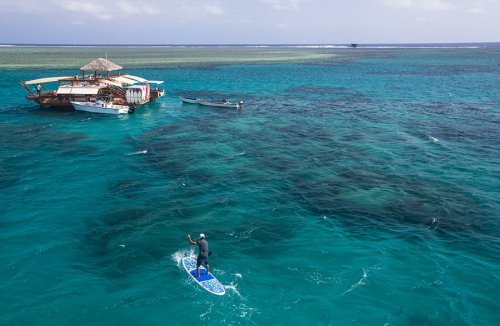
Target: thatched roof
{"type": "Point", "coordinates": [101, 65]}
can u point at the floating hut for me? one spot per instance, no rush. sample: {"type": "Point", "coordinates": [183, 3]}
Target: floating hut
{"type": "Point", "coordinates": [103, 78]}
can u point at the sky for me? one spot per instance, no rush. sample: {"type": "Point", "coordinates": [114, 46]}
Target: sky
{"type": "Point", "coordinates": [248, 21]}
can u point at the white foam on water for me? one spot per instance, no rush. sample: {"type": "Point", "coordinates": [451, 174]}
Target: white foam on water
{"type": "Point", "coordinates": [232, 287]}
{"type": "Point", "coordinates": [234, 284]}
{"type": "Point", "coordinates": [139, 152]}
{"type": "Point", "coordinates": [433, 139]}
{"type": "Point", "coordinates": [246, 311]}
{"type": "Point", "coordinates": [235, 155]}
{"type": "Point", "coordinates": [205, 313]}
{"type": "Point", "coordinates": [209, 310]}
{"type": "Point", "coordinates": [245, 235]}
{"type": "Point", "coordinates": [360, 282]}
{"type": "Point", "coordinates": [178, 256]}
{"type": "Point", "coordinates": [434, 225]}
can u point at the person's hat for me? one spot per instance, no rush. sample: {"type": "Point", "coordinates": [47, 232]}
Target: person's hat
{"type": "Point", "coordinates": [202, 236]}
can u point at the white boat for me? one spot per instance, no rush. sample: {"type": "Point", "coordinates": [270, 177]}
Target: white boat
{"type": "Point", "coordinates": [100, 106]}
{"type": "Point", "coordinates": [188, 100]}
{"type": "Point", "coordinates": [221, 104]}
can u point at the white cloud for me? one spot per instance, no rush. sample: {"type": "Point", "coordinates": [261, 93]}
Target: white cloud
{"type": "Point", "coordinates": [106, 10]}
{"type": "Point", "coordinates": [105, 16]}
{"type": "Point", "coordinates": [280, 25]}
{"type": "Point", "coordinates": [214, 10]}
{"type": "Point", "coordinates": [25, 6]}
{"type": "Point", "coordinates": [150, 10]}
{"type": "Point", "coordinates": [476, 10]}
{"type": "Point", "coordinates": [397, 3]}
{"type": "Point", "coordinates": [429, 5]}
{"type": "Point", "coordinates": [128, 8]}
{"type": "Point", "coordinates": [435, 5]}
{"type": "Point", "coordinates": [196, 9]}
{"type": "Point", "coordinates": [282, 4]}
{"type": "Point", "coordinates": [85, 7]}
{"type": "Point", "coordinates": [426, 19]}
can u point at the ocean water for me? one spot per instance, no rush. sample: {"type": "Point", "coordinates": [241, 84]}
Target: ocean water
{"type": "Point", "coordinates": [354, 187]}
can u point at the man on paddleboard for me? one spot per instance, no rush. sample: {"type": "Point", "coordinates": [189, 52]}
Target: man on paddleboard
{"type": "Point", "coordinates": [203, 254]}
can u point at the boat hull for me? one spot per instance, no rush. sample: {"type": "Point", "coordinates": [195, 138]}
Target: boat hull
{"type": "Point", "coordinates": [188, 100]}
{"type": "Point", "coordinates": [220, 104]}
{"type": "Point", "coordinates": [104, 108]}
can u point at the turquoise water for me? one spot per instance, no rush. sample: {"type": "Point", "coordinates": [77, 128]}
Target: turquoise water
{"type": "Point", "coordinates": [355, 187]}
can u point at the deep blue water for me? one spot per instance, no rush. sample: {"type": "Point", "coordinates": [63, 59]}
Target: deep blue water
{"type": "Point", "coordinates": [357, 189]}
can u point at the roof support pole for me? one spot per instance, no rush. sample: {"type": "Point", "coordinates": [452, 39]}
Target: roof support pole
{"type": "Point", "coordinates": [26, 87]}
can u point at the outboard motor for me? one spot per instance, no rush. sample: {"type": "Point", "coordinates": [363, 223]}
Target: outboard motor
{"type": "Point", "coordinates": [131, 109]}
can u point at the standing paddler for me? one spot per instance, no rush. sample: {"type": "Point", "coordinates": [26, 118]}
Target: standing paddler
{"type": "Point", "coordinates": [203, 253]}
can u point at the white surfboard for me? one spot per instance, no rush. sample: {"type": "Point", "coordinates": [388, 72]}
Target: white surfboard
{"type": "Point", "coordinates": [208, 282]}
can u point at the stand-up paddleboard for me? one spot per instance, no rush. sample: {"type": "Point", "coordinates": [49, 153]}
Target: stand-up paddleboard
{"type": "Point", "coordinates": [208, 282]}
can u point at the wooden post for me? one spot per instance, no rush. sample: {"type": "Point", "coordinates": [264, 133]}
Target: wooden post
{"type": "Point", "coordinates": [44, 87]}
{"type": "Point", "coordinates": [83, 75]}
{"type": "Point", "coordinates": [26, 87]}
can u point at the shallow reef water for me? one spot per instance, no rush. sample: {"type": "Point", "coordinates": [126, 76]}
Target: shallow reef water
{"type": "Point", "coordinates": [354, 187]}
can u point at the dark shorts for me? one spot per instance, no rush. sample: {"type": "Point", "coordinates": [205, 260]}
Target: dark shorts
{"type": "Point", "coordinates": [201, 260]}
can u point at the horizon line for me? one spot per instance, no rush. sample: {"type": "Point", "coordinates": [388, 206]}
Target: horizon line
{"type": "Point", "coordinates": [236, 44]}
